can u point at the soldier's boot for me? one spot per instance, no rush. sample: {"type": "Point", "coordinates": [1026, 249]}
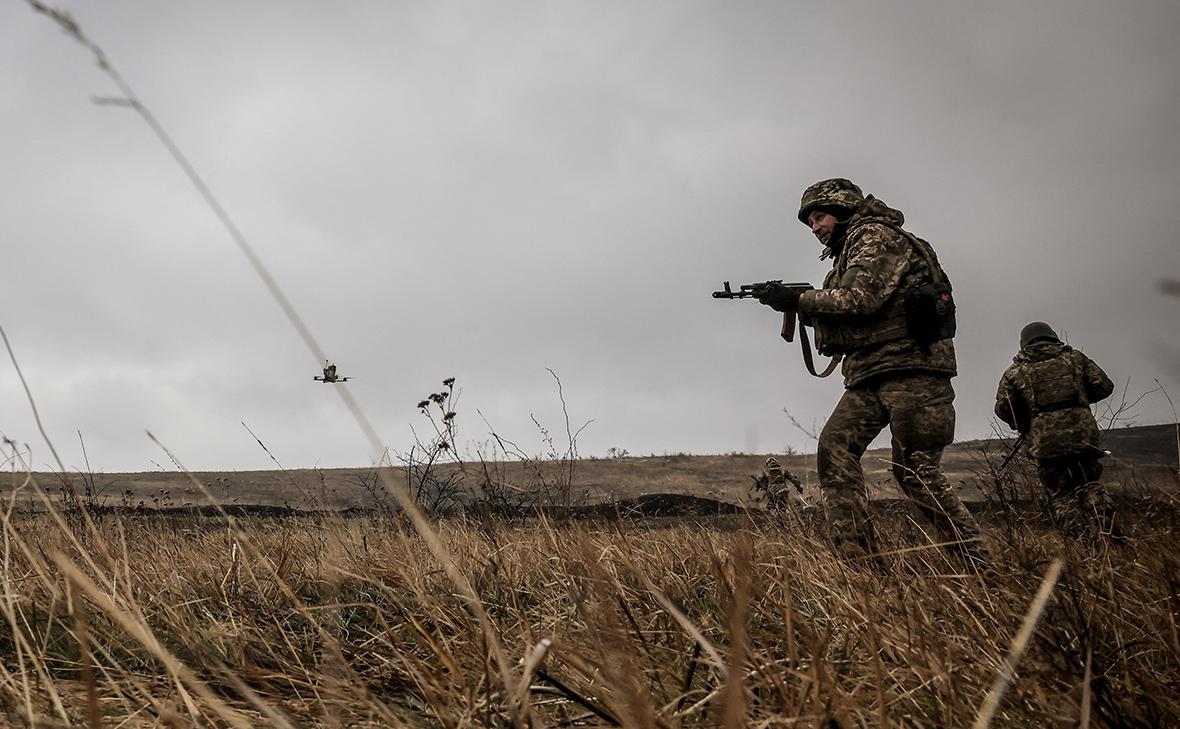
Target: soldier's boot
{"type": "Point", "coordinates": [974, 555]}
{"type": "Point", "coordinates": [963, 546]}
{"type": "Point", "coordinates": [964, 540]}
{"type": "Point", "coordinates": [1068, 515]}
{"type": "Point", "coordinates": [851, 532]}
{"type": "Point", "coordinates": [1101, 516]}
{"type": "Point", "coordinates": [925, 483]}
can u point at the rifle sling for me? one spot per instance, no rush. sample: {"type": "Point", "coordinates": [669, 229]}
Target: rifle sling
{"type": "Point", "coordinates": [807, 360]}
{"type": "Point", "coordinates": [788, 334]}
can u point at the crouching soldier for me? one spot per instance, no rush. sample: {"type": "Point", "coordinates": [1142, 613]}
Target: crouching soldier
{"type": "Point", "coordinates": [769, 489]}
{"type": "Point", "coordinates": [1046, 395]}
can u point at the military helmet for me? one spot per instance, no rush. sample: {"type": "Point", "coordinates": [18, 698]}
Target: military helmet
{"type": "Point", "coordinates": [836, 192]}
{"type": "Point", "coordinates": [1037, 330]}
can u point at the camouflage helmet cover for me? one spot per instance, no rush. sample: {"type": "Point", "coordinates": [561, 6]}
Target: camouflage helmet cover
{"type": "Point", "coordinates": [836, 192]}
{"type": "Point", "coordinates": [1035, 331]}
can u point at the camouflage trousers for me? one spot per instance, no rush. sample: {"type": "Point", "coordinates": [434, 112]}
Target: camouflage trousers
{"type": "Point", "coordinates": [1078, 503]}
{"type": "Point", "coordinates": [920, 413]}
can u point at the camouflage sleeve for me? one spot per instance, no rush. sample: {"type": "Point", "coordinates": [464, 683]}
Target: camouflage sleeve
{"type": "Point", "coordinates": [1008, 402]}
{"type": "Point", "coordinates": [1098, 385]}
{"type": "Point", "coordinates": [878, 258]}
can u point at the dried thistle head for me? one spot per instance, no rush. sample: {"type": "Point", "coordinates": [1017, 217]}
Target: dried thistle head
{"type": "Point", "coordinates": [444, 446]}
{"type": "Point", "coordinates": [449, 382]}
{"type": "Point", "coordinates": [449, 416]}
{"type": "Point", "coordinates": [423, 405]}
{"type": "Point", "coordinates": [438, 397]}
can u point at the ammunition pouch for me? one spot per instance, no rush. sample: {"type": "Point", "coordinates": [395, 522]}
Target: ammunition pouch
{"type": "Point", "coordinates": [828, 341]}
{"type": "Point", "coordinates": [843, 336]}
{"type": "Point", "coordinates": [930, 312]}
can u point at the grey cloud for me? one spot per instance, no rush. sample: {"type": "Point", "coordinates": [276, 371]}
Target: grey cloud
{"type": "Point", "coordinates": [488, 190]}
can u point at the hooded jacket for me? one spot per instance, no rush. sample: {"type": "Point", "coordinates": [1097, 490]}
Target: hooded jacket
{"type": "Point", "coordinates": [1046, 394]}
{"type": "Point", "coordinates": [861, 309]}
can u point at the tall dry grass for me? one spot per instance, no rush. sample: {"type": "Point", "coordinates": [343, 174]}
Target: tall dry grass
{"type": "Point", "coordinates": [737, 621]}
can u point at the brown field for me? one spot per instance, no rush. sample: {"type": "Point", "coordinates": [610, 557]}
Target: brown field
{"type": "Point", "coordinates": [129, 618]}
{"type": "Point", "coordinates": [145, 620]}
{"type": "Point", "coordinates": [1139, 455]}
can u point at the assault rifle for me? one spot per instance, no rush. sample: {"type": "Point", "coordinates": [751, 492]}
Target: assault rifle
{"type": "Point", "coordinates": [753, 291]}
{"type": "Point", "coordinates": [1012, 453]}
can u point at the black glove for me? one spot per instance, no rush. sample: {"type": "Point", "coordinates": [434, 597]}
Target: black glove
{"type": "Point", "coordinates": [780, 297]}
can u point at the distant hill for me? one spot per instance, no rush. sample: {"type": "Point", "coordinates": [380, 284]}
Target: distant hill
{"type": "Point", "coordinates": [1148, 445]}
{"type": "Point", "coordinates": [1145, 455]}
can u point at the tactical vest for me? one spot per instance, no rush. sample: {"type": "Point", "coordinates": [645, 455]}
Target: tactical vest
{"type": "Point", "coordinates": [1054, 390]}
{"type": "Point", "coordinates": [921, 309]}
{"type": "Point", "coordinates": [1053, 384]}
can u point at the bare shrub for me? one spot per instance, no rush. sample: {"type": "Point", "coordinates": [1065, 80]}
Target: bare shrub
{"type": "Point", "coordinates": [433, 470]}
{"type": "Point", "coordinates": [498, 478]}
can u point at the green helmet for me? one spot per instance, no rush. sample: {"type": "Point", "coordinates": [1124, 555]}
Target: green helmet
{"type": "Point", "coordinates": [1035, 331]}
{"type": "Point", "coordinates": [836, 192]}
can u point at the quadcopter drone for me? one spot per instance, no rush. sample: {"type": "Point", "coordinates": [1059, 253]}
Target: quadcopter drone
{"type": "Point", "coordinates": [330, 375]}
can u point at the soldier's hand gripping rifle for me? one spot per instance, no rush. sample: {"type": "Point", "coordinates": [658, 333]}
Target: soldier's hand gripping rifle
{"type": "Point", "coordinates": [767, 292]}
{"type": "Point", "coordinates": [782, 297]}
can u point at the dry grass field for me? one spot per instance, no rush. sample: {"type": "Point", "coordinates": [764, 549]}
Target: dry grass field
{"type": "Point", "coordinates": [746, 620]}
{"type": "Point", "coordinates": [129, 618]}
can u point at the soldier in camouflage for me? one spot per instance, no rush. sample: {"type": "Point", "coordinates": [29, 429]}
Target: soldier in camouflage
{"type": "Point", "coordinates": [890, 378]}
{"type": "Point", "coordinates": [770, 490]}
{"type": "Point", "coordinates": [1046, 395]}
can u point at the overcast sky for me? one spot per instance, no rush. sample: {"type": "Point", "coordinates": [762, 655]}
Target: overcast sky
{"type": "Point", "coordinates": [487, 190]}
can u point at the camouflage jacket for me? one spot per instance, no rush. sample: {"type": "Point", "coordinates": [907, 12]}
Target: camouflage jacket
{"type": "Point", "coordinates": [1046, 394]}
{"type": "Point", "coordinates": [862, 304]}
